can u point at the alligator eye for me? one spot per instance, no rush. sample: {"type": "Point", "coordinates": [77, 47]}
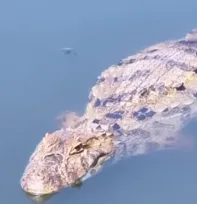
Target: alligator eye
{"type": "Point", "coordinates": [77, 149]}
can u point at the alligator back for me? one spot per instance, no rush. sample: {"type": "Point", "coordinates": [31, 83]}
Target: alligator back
{"type": "Point", "coordinates": [148, 97]}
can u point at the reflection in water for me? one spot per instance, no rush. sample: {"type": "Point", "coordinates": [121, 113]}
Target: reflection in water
{"type": "Point", "coordinates": [43, 198]}
{"type": "Point", "coordinates": [77, 184]}
{"type": "Point", "coordinates": [38, 198]}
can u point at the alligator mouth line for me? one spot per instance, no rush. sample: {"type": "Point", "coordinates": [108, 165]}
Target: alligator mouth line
{"type": "Point", "coordinates": [96, 167]}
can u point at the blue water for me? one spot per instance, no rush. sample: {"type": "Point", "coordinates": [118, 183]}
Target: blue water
{"type": "Point", "coordinates": [38, 82]}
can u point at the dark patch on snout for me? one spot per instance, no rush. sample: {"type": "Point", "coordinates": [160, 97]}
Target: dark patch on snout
{"type": "Point", "coordinates": [52, 159]}
{"type": "Point", "coordinates": [56, 181]}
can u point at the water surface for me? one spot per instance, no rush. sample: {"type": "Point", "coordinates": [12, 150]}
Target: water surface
{"type": "Point", "coordinates": [38, 82]}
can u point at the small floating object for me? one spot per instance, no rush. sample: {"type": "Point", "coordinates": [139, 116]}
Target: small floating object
{"type": "Point", "coordinates": [68, 50]}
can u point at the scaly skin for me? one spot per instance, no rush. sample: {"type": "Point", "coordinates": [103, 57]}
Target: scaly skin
{"type": "Point", "coordinates": [135, 107]}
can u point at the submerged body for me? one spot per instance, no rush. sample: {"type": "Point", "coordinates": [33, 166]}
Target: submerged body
{"type": "Point", "coordinates": [137, 106]}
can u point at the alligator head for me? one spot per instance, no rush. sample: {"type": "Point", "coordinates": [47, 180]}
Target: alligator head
{"type": "Point", "coordinates": [63, 159]}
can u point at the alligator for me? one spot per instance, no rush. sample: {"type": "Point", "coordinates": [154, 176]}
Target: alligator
{"type": "Point", "coordinates": [136, 107]}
